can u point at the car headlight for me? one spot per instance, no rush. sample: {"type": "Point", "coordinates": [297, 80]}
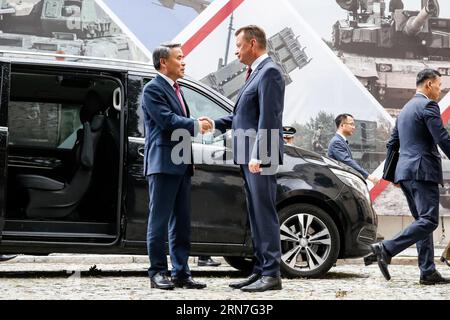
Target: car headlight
{"type": "Point", "coordinates": [353, 182]}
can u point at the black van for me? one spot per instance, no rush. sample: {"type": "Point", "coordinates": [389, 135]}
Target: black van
{"type": "Point", "coordinates": [72, 142]}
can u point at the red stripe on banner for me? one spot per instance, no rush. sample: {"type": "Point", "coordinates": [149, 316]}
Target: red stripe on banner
{"type": "Point", "coordinates": [378, 189]}
{"type": "Point", "coordinates": [446, 115]}
{"type": "Point", "coordinates": [380, 186]}
{"type": "Point", "coordinates": [209, 27]}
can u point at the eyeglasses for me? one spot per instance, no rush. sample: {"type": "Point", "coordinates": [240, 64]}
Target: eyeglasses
{"type": "Point", "coordinates": [351, 124]}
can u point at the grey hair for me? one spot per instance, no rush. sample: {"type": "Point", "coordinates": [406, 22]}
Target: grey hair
{"type": "Point", "coordinates": [163, 52]}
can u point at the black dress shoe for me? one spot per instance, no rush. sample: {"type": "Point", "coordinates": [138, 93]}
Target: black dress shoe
{"type": "Point", "coordinates": [434, 278]}
{"type": "Point", "coordinates": [383, 259]}
{"type": "Point", "coordinates": [444, 260]}
{"type": "Point", "coordinates": [368, 260]}
{"type": "Point", "coordinates": [187, 283]}
{"type": "Point", "coordinates": [6, 257]}
{"type": "Point", "coordinates": [263, 284]}
{"type": "Point", "coordinates": [207, 262]}
{"type": "Point", "coordinates": [253, 277]}
{"type": "Point", "coordinates": [160, 281]}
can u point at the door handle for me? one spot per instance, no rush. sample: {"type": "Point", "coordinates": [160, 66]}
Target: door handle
{"type": "Point", "coordinates": [222, 154]}
{"type": "Point", "coordinates": [218, 154]}
{"type": "Point", "coordinates": [141, 152]}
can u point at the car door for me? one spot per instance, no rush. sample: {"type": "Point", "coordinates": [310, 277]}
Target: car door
{"type": "Point", "coordinates": [218, 199]}
{"type": "Point", "coordinates": [5, 68]}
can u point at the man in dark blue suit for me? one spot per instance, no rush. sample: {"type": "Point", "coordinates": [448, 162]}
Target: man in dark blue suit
{"type": "Point", "coordinates": [258, 148]}
{"type": "Point", "coordinates": [339, 149]}
{"type": "Point", "coordinates": [169, 180]}
{"type": "Point", "coordinates": [417, 133]}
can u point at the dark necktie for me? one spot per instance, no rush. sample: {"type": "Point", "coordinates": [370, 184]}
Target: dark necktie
{"type": "Point", "coordinates": [180, 98]}
{"type": "Point", "coordinates": [249, 72]}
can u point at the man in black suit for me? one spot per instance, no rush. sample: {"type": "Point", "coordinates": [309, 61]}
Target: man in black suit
{"type": "Point", "coordinates": [258, 143]}
{"type": "Point", "coordinates": [166, 111]}
{"type": "Point", "coordinates": [417, 133]}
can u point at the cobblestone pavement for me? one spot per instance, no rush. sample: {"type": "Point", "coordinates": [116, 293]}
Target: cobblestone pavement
{"type": "Point", "coordinates": [55, 277]}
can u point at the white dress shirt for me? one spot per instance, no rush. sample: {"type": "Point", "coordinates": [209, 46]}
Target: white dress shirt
{"type": "Point", "coordinates": [170, 81]}
{"type": "Point", "coordinates": [345, 138]}
{"type": "Point", "coordinates": [257, 62]}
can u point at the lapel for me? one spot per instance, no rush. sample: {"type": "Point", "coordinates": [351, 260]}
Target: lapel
{"type": "Point", "coordinates": [171, 92]}
{"type": "Point", "coordinates": [252, 76]}
{"type": "Point", "coordinates": [346, 145]}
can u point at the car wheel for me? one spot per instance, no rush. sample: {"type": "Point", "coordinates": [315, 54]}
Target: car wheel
{"type": "Point", "coordinates": [309, 241]}
{"type": "Point", "coordinates": [242, 264]}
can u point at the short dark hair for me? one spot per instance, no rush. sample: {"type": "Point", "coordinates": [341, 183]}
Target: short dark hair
{"type": "Point", "coordinates": [427, 74]}
{"type": "Point", "coordinates": [163, 52]}
{"type": "Point", "coordinates": [253, 32]}
{"type": "Point", "coordinates": [340, 118]}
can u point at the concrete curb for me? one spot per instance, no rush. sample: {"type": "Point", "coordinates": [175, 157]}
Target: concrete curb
{"type": "Point", "coordinates": [407, 260]}
{"type": "Point", "coordinates": [142, 259]}
{"type": "Point", "coordinates": [80, 259]}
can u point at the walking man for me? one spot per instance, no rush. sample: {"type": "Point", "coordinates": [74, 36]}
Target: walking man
{"type": "Point", "coordinates": [417, 133]}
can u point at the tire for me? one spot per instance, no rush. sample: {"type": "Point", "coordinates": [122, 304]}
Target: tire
{"type": "Point", "coordinates": [242, 264]}
{"type": "Point", "coordinates": [300, 257]}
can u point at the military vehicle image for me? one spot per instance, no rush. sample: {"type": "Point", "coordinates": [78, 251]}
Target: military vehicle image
{"type": "Point", "coordinates": [386, 47]}
{"type": "Point", "coordinates": [283, 47]}
{"type": "Point", "coordinates": [197, 5]}
{"type": "Point", "coordinates": [74, 27]}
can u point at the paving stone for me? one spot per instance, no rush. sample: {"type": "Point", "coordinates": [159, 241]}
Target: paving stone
{"type": "Point", "coordinates": [128, 281]}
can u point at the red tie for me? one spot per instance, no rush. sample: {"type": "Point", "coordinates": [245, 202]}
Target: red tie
{"type": "Point", "coordinates": [249, 72]}
{"type": "Point", "coordinates": [180, 98]}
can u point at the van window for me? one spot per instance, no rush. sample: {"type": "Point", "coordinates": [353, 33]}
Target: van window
{"type": "Point", "coordinates": [200, 105]}
{"type": "Point", "coordinates": [43, 124]}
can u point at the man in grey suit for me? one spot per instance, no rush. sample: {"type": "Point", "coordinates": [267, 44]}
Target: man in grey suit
{"type": "Point", "coordinates": [338, 148]}
{"type": "Point", "coordinates": [417, 133]}
{"type": "Point", "coordinates": [257, 144]}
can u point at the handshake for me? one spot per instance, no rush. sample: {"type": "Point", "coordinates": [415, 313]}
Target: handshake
{"type": "Point", "coordinates": [205, 124]}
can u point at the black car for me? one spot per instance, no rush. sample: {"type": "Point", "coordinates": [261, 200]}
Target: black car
{"type": "Point", "coordinates": [72, 142]}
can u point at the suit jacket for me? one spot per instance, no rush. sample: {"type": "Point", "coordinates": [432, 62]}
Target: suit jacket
{"type": "Point", "coordinates": [163, 114]}
{"type": "Point", "coordinates": [339, 150]}
{"type": "Point", "coordinates": [259, 106]}
{"type": "Point", "coordinates": [417, 133]}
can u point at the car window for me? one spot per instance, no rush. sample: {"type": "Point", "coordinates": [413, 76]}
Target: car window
{"type": "Point", "coordinates": [135, 125]}
{"type": "Point", "coordinates": [43, 124]}
{"type": "Point", "coordinates": [200, 105]}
